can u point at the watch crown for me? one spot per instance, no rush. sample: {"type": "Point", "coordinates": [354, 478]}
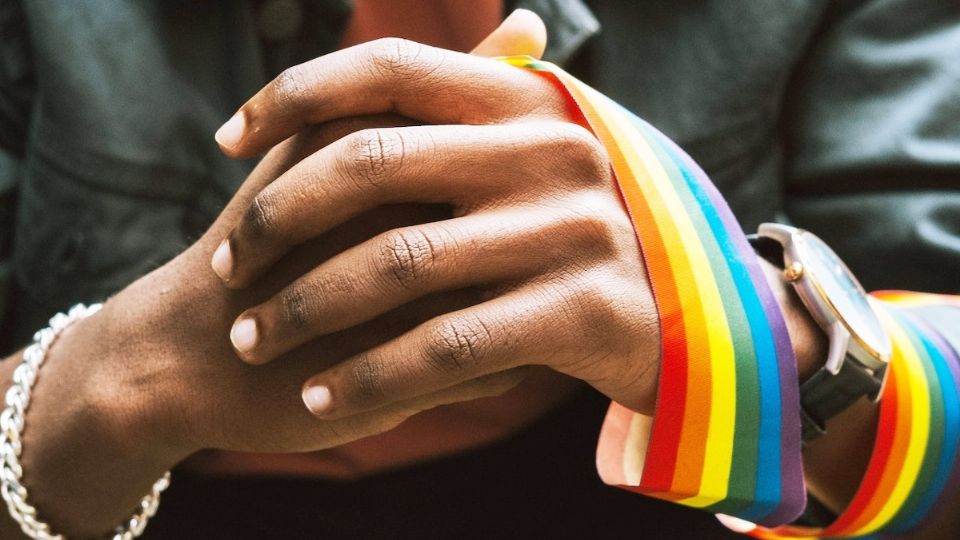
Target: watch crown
{"type": "Point", "coordinates": [794, 271]}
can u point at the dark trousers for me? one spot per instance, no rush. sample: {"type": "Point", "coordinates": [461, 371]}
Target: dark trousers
{"type": "Point", "coordinates": [540, 483]}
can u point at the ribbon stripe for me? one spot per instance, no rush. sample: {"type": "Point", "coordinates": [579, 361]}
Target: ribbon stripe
{"type": "Point", "coordinates": [916, 447]}
{"type": "Point", "coordinates": [725, 436]}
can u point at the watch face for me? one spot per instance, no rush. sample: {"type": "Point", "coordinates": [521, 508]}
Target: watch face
{"type": "Point", "coordinates": [843, 292]}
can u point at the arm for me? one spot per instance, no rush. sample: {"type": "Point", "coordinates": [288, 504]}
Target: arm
{"type": "Point", "coordinates": [595, 317]}
{"type": "Point", "coordinates": [129, 392]}
{"type": "Point", "coordinates": [152, 378]}
{"type": "Point", "coordinates": [501, 333]}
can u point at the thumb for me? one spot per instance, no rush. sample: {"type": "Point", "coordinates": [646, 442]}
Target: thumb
{"type": "Point", "coordinates": [521, 33]}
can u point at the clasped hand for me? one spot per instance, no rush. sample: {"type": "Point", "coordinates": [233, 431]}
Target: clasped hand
{"type": "Point", "coordinates": [536, 226]}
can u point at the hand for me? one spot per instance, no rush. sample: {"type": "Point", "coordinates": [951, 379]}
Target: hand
{"type": "Point", "coordinates": [538, 227]}
{"type": "Point", "coordinates": [131, 391]}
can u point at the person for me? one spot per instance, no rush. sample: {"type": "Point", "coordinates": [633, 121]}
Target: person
{"type": "Point", "coordinates": [429, 224]}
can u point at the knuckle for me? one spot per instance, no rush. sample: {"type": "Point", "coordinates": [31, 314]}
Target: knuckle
{"type": "Point", "coordinates": [376, 155]}
{"type": "Point", "coordinates": [407, 256]}
{"type": "Point", "coordinates": [289, 87]}
{"type": "Point", "coordinates": [397, 58]}
{"type": "Point", "coordinates": [259, 219]}
{"type": "Point", "coordinates": [296, 307]}
{"type": "Point", "coordinates": [303, 304]}
{"type": "Point", "coordinates": [458, 343]}
{"type": "Point", "coordinates": [603, 305]}
{"type": "Point", "coordinates": [584, 230]}
{"type": "Point", "coordinates": [587, 301]}
{"type": "Point", "coordinates": [368, 377]}
{"type": "Point", "coordinates": [599, 224]}
{"type": "Point", "coordinates": [584, 155]}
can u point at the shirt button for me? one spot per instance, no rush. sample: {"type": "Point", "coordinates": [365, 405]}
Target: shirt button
{"type": "Point", "coordinates": [279, 20]}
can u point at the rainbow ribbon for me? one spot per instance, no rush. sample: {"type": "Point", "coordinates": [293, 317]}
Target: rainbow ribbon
{"type": "Point", "coordinates": [915, 451]}
{"type": "Point", "coordinates": [725, 436]}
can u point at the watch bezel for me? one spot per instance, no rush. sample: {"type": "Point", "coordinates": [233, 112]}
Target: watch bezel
{"type": "Point", "coordinates": [823, 310]}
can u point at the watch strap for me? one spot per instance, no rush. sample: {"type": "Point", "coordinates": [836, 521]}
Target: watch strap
{"type": "Point", "coordinates": [824, 394]}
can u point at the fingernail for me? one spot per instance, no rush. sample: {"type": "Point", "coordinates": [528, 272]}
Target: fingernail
{"type": "Point", "coordinates": [243, 335]}
{"type": "Point", "coordinates": [229, 134]}
{"type": "Point", "coordinates": [222, 261]}
{"type": "Point", "coordinates": [317, 399]}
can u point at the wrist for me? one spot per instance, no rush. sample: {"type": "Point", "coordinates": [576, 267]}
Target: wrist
{"type": "Point", "coordinates": [809, 341]}
{"type": "Point", "coordinates": [131, 386]}
{"type": "Point", "coordinates": [832, 480]}
{"type": "Point", "coordinates": [91, 447]}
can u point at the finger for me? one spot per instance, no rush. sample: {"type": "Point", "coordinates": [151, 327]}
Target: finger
{"type": "Point", "coordinates": [417, 81]}
{"type": "Point", "coordinates": [491, 385]}
{"type": "Point", "coordinates": [426, 164]}
{"type": "Point", "coordinates": [349, 429]}
{"type": "Point", "coordinates": [318, 136]}
{"type": "Point", "coordinates": [528, 326]}
{"type": "Point", "coordinates": [294, 429]}
{"type": "Point", "coordinates": [291, 152]}
{"type": "Point", "coordinates": [521, 33]}
{"type": "Point", "coordinates": [405, 264]}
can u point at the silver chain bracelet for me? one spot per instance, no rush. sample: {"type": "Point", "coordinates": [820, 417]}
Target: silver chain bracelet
{"type": "Point", "coordinates": [12, 422]}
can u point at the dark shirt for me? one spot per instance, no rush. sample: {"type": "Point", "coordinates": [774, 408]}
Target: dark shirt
{"type": "Point", "coordinates": [841, 116]}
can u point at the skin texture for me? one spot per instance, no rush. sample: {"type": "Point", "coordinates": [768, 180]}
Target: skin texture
{"type": "Point", "coordinates": [152, 378]}
{"type": "Point", "coordinates": [542, 234]}
{"type": "Point", "coordinates": [392, 308]}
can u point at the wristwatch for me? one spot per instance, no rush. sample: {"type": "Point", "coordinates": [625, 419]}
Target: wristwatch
{"type": "Point", "coordinates": [859, 350]}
